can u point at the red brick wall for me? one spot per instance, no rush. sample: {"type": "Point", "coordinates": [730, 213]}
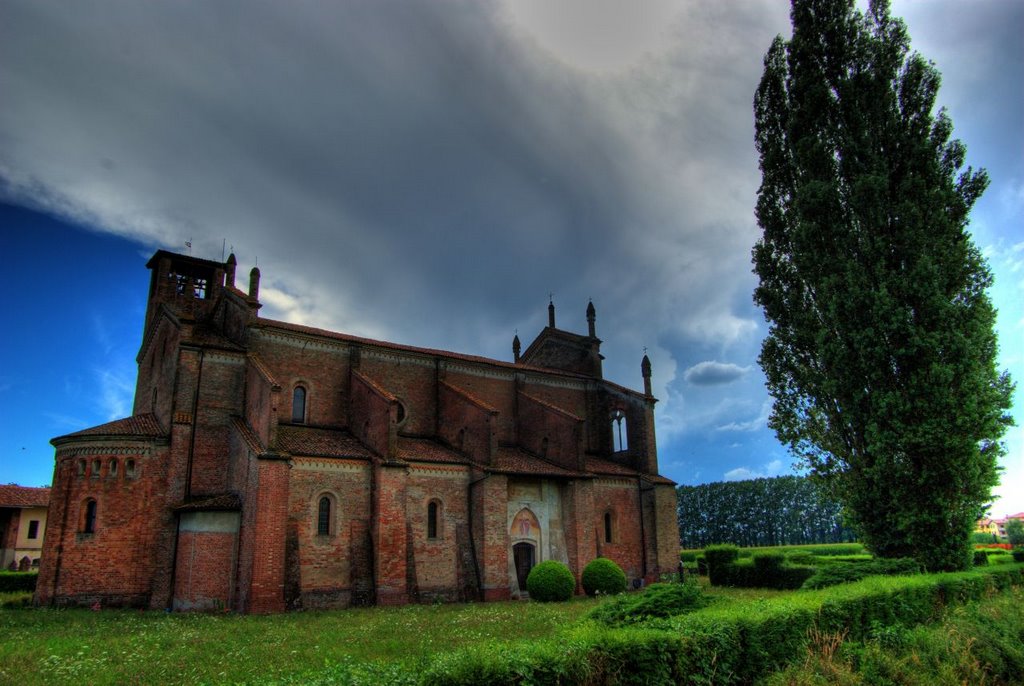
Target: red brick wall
{"type": "Point", "coordinates": [389, 535]}
{"type": "Point", "coordinates": [205, 570]}
{"type": "Point", "coordinates": [466, 425]}
{"type": "Point", "coordinates": [564, 434]}
{"type": "Point", "coordinates": [497, 393]}
{"type": "Point", "coordinates": [322, 368]}
{"type": "Point", "coordinates": [268, 554]}
{"type": "Point", "coordinates": [372, 416]}
{"type": "Point", "coordinates": [490, 513]}
{"type": "Point", "coordinates": [325, 564]}
{"type": "Point", "coordinates": [411, 379]}
{"type": "Point", "coordinates": [621, 498]}
{"type": "Point", "coordinates": [115, 564]}
{"type": "Point", "coordinates": [437, 559]}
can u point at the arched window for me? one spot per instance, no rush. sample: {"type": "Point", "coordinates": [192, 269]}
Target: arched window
{"type": "Point", "coordinates": [323, 516]}
{"type": "Point", "coordinates": [112, 469]}
{"type": "Point", "coordinates": [96, 467]}
{"type": "Point", "coordinates": [89, 517]}
{"type": "Point", "coordinates": [299, 405]}
{"type": "Point", "coordinates": [607, 527]}
{"type": "Point", "coordinates": [81, 468]}
{"type": "Point", "coordinates": [620, 438]}
{"type": "Point", "coordinates": [129, 468]}
{"type": "Point", "coordinates": [433, 515]}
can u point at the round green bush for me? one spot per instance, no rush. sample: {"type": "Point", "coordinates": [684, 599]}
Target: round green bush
{"type": "Point", "coordinates": [603, 576]}
{"type": "Point", "coordinates": [550, 580]}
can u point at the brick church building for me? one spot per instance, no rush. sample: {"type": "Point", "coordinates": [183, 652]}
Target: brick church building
{"type": "Point", "coordinates": [269, 466]}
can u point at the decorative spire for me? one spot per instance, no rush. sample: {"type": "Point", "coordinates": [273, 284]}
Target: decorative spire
{"type": "Point", "coordinates": [516, 347]}
{"type": "Point", "coordinates": [230, 265]}
{"type": "Point", "coordinates": [254, 283]}
{"type": "Point", "coordinates": [645, 370]}
{"type": "Point", "coordinates": [551, 310]}
{"type": "Point", "coordinates": [591, 318]}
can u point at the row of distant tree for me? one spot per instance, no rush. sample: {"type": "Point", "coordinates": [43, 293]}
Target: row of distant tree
{"type": "Point", "coordinates": [787, 510]}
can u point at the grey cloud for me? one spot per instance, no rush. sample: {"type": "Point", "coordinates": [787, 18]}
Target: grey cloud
{"type": "Point", "coordinates": [710, 373]}
{"type": "Point", "coordinates": [416, 171]}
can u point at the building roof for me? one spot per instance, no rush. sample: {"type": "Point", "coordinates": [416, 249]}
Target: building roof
{"type": "Point", "coordinates": [24, 496]}
{"type": "Point", "coordinates": [137, 426]}
{"type": "Point", "coordinates": [427, 450]}
{"type": "Point", "coordinates": [297, 439]}
{"type": "Point", "coordinates": [511, 460]}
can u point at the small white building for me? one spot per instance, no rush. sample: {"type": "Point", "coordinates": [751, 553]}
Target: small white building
{"type": "Point", "coordinates": [22, 526]}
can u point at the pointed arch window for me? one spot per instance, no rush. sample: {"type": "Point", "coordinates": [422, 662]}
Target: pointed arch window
{"type": "Point", "coordinates": [299, 405]}
{"type": "Point", "coordinates": [89, 517]}
{"type": "Point", "coordinates": [433, 519]}
{"type": "Point", "coordinates": [620, 431]}
{"type": "Point", "coordinates": [323, 516]}
{"type": "Point", "coordinates": [608, 527]}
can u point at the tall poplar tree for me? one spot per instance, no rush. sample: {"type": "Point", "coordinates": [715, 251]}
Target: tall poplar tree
{"type": "Point", "coordinates": [881, 351]}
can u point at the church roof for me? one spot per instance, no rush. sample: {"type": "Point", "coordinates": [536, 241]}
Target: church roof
{"type": "Point", "coordinates": [136, 426]}
{"type": "Point", "coordinates": [511, 460]}
{"type": "Point", "coordinates": [24, 496]}
{"type": "Point", "coordinates": [334, 335]}
{"type": "Point", "coordinates": [427, 450]}
{"type": "Point", "coordinates": [296, 439]}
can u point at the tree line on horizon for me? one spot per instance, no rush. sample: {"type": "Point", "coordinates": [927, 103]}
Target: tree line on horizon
{"type": "Point", "coordinates": [785, 510]}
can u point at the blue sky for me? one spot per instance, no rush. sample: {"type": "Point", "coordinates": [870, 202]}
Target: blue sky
{"type": "Point", "coordinates": [427, 173]}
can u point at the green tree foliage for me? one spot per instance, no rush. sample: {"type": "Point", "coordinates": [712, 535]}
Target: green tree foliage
{"type": "Point", "coordinates": [787, 510]}
{"type": "Point", "coordinates": [1015, 532]}
{"type": "Point", "coordinates": [881, 349]}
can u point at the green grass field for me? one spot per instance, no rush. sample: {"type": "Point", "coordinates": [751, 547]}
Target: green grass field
{"type": "Point", "coordinates": [80, 646]}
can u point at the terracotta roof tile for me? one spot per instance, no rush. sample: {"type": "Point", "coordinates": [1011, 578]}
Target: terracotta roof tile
{"type": "Point", "coordinates": [248, 435]}
{"type": "Point", "coordinates": [510, 460]}
{"type": "Point", "coordinates": [601, 466]}
{"type": "Point", "coordinates": [141, 425]}
{"type": "Point", "coordinates": [427, 450]}
{"type": "Point", "coordinates": [319, 442]}
{"type": "Point", "coordinates": [24, 496]}
{"type": "Point", "coordinates": [553, 408]}
{"type": "Point", "coordinates": [312, 331]}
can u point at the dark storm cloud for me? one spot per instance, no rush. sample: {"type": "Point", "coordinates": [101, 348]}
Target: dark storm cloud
{"type": "Point", "coordinates": [424, 172]}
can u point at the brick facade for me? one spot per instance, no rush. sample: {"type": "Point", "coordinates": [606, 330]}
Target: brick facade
{"type": "Point", "coordinates": [269, 466]}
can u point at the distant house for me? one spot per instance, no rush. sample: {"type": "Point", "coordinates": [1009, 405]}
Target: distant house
{"type": "Point", "coordinates": [22, 525]}
{"type": "Point", "coordinates": [997, 527]}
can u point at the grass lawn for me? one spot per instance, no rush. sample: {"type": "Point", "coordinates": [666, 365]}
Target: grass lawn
{"type": "Point", "coordinates": [128, 646]}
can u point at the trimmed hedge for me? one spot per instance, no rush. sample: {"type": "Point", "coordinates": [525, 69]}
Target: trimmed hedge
{"type": "Point", "coordinates": [550, 581]}
{"type": "Point", "coordinates": [718, 558]}
{"type": "Point", "coordinates": [18, 581]}
{"type": "Point", "coordinates": [832, 575]}
{"type": "Point", "coordinates": [726, 643]}
{"type": "Point", "coordinates": [603, 576]}
{"type": "Point", "coordinates": [657, 600]}
{"type": "Point", "coordinates": [766, 570]}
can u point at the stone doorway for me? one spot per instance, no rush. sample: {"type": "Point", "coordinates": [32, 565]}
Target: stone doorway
{"type": "Point", "coordinates": [525, 557]}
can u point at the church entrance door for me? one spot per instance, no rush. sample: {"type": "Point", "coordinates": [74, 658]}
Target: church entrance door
{"type": "Point", "coordinates": [524, 556]}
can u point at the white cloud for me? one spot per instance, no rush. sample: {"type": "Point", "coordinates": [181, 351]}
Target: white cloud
{"type": "Point", "coordinates": [116, 391]}
{"type": "Point", "coordinates": [758, 422]}
{"type": "Point", "coordinates": [773, 468]}
{"type": "Point", "coordinates": [710, 373]}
